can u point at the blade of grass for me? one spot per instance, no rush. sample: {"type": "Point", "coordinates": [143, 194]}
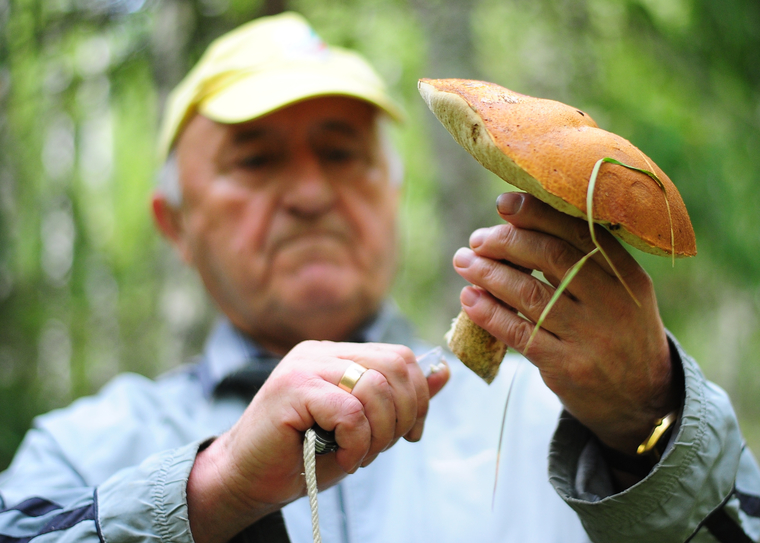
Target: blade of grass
{"type": "Point", "coordinates": [501, 433]}
{"type": "Point", "coordinates": [659, 184]}
{"type": "Point", "coordinates": [571, 273]}
{"type": "Point", "coordinates": [590, 217]}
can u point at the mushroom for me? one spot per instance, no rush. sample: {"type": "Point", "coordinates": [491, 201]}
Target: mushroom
{"type": "Point", "coordinates": [549, 149]}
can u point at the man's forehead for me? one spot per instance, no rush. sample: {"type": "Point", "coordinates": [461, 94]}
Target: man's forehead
{"type": "Point", "coordinates": [338, 115]}
{"type": "Point", "coordinates": [243, 133]}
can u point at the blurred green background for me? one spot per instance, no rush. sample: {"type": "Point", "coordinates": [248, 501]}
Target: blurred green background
{"type": "Point", "coordinates": [88, 289]}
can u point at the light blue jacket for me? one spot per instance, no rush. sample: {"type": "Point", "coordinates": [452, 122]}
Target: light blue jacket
{"type": "Point", "coordinates": [114, 467]}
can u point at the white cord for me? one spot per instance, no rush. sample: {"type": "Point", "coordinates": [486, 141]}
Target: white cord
{"type": "Point", "coordinates": [310, 472]}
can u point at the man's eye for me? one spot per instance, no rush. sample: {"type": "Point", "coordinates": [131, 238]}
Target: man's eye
{"type": "Point", "coordinates": [257, 161]}
{"type": "Point", "coordinates": [338, 155]}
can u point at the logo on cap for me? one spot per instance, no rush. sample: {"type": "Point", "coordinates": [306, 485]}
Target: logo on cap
{"type": "Point", "coordinates": [303, 44]}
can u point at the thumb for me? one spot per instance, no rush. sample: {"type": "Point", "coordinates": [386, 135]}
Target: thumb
{"type": "Point", "coordinates": [435, 369]}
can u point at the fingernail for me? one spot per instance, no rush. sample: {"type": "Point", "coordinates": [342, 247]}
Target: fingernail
{"type": "Point", "coordinates": [435, 368]}
{"type": "Point", "coordinates": [463, 257]}
{"type": "Point", "coordinates": [478, 237]}
{"type": "Point", "coordinates": [509, 203]}
{"type": "Point", "coordinates": [366, 462]}
{"type": "Point", "coordinates": [469, 296]}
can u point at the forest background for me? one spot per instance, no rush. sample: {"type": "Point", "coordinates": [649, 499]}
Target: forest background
{"type": "Point", "coordinates": [88, 289]}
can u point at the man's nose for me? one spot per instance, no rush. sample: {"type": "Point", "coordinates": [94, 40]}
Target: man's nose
{"type": "Point", "coordinates": [309, 191]}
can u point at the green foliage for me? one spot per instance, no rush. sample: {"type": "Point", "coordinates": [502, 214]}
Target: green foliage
{"type": "Point", "coordinates": [87, 288]}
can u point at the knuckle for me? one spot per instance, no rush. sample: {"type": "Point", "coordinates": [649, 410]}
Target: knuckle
{"type": "Point", "coordinates": [497, 241]}
{"type": "Point", "coordinates": [534, 296]}
{"type": "Point", "coordinates": [377, 382]}
{"type": "Point", "coordinates": [501, 234]}
{"type": "Point", "coordinates": [582, 235]}
{"type": "Point", "coordinates": [394, 354]}
{"type": "Point", "coordinates": [516, 330]}
{"type": "Point", "coordinates": [351, 409]}
{"type": "Point", "coordinates": [398, 363]}
{"type": "Point", "coordinates": [490, 273]}
{"type": "Point", "coordinates": [505, 237]}
{"type": "Point", "coordinates": [521, 331]}
{"type": "Point", "coordinates": [559, 254]}
{"type": "Point", "coordinates": [407, 354]}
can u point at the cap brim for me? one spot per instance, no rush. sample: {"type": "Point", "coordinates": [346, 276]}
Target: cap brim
{"type": "Point", "coordinates": [256, 95]}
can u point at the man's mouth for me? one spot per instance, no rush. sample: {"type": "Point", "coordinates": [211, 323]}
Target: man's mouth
{"type": "Point", "coordinates": [312, 248]}
{"type": "Point", "coordinates": [302, 236]}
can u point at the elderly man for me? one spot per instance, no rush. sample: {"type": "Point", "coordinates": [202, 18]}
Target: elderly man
{"type": "Point", "coordinates": [281, 190]}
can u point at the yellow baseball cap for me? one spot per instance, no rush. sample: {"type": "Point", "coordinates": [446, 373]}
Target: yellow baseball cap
{"type": "Point", "coordinates": [262, 66]}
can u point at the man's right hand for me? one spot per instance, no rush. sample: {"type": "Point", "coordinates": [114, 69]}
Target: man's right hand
{"type": "Point", "coordinates": [257, 466]}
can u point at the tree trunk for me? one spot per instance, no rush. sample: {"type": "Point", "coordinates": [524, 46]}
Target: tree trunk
{"type": "Point", "coordinates": [462, 203]}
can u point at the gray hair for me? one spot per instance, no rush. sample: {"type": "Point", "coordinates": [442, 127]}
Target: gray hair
{"type": "Point", "coordinates": [393, 162]}
{"type": "Point", "coordinates": [167, 179]}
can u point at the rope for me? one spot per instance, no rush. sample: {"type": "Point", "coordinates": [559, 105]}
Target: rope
{"type": "Point", "coordinates": [310, 473]}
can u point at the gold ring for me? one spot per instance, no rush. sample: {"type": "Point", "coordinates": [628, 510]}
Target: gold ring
{"type": "Point", "coordinates": [351, 377]}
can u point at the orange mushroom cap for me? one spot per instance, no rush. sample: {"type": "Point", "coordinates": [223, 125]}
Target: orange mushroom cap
{"type": "Point", "coordinates": [549, 149]}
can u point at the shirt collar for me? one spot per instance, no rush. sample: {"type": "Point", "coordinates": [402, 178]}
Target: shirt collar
{"type": "Point", "coordinates": [232, 360]}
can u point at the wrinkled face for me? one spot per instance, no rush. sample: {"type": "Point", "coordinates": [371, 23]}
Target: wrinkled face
{"type": "Point", "coordinates": [290, 219]}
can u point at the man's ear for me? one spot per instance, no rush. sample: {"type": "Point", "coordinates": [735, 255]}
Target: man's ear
{"type": "Point", "coordinates": [168, 219]}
